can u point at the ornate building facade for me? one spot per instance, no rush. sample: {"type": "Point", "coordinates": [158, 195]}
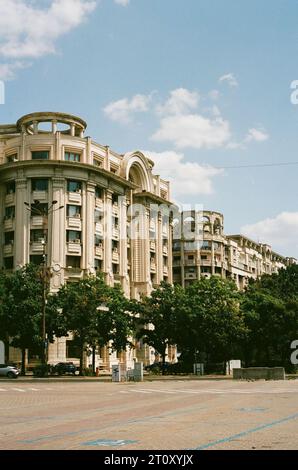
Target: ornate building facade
{"type": "Point", "coordinates": [96, 205]}
{"type": "Point", "coordinates": [203, 250]}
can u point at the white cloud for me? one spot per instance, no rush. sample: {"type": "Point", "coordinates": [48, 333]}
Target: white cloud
{"type": "Point", "coordinates": [256, 135]}
{"type": "Point", "coordinates": [230, 79]}
{"type": "Point", "coordinates": [123, 3]}
{"type": "Point", "coordinates": [29, 30]}
{"type": "Point", "coordinates": [193, 131]}
{"type": "Point", "coordinates": [186, 178]}
{"type": "Point", "coordinates": [124, 110]}
{"type": "Point", "coordinates": [281, 232]}
{"type": "Point", "coordinates": [181, 101]}
{"type": "Point", "coordinates": [8, 70]}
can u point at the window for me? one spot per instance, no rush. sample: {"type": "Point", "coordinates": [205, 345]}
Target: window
{"type": "Point", "coordinates": [191, 257]}
{"type": "Point", "coordinates": [41, 155]}
{"type": "Point", "coordinates": [73, 236]}
{"type": "Point", "coordinates": [73, 262]}
{"type": "Point", "coordinates": [97, 264]}
{"type": "Point", "coordinates": [40, 184]}
{"type": "Point", "coordinates": [97, 216]}
{"type": "Point", "coordinates": [39, 209]}
{"type": "Point", "coordinates": [203, 257]}
{"type": "Point", "coordinates": [37, 236]}
{"type": "Point", "coordinates": [72, 157]}
{"type": "Point", "coordinates": [73, 211]}
{"type": "Point", "coordinates": [74, 186]}
{"type": "Point", "coordinates": [8, 262]}
{"type": "Point", "coordinates": [97, 240]}
{"type": "Point", "coordinates": [98, 192]}
{"type": "Point", "coordinates": [10, 212]}
{"type": "Point", "coordinates": [12, 158]}
{"type": "Point", "coordinates": [10, 187]}
{"type": "Point", "coordinates": [205, 269]}
{"type": "Point", "coordinates": [9, 238]}
{"type": "Point", "coordinates": [206, 245]}
{"type": "Point", "coordinates": [36, 259]}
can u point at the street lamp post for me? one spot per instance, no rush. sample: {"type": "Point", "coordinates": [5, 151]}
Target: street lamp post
{"type": "Point", "coordinates": [44, 212]}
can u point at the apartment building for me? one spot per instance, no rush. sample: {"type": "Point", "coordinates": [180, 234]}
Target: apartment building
{"type": "Point", "coordinates": [86, 207]}
{"type": "Point", "coordinates": [201, 249]}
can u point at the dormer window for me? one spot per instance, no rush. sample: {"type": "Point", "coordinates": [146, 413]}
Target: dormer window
{"type": "Point", "coordinates": [41, 155]}
{"type": "Point", "coordinates": [72, 157]}
{"type": "Point", "coordinates": [12, 158]}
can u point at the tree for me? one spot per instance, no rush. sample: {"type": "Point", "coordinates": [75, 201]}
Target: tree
{"type": "Point", "coordinates": [95, 313]}
{"type": "Point", "coordinates": [215, 324]}
{"type": "Point", "coordinates": [159, 313]}
{"type": "Point", "coordinates": [21, 309]}
{"type": "Point", "coordinates": [270, 307]}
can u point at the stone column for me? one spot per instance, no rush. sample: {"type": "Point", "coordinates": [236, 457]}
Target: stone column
{"type": "Point", "coordinates": [57, 233]}
{"type": "Point", "coordinates": [159, 252]}
{"type": "Point", "coordinates": [108, 236]}
{"type": "Point", "coordinates": [88, 224]}
{"type": "Point", "coordinates": [22, 223]}
{"type": "Point", "coordinates": [123, 244]}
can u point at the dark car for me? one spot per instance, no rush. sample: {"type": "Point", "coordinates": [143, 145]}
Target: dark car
{"type": "Point", "coordinates": [64, 368]}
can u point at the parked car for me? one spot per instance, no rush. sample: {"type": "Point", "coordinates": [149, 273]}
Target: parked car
{"type": "Point", "coordinates": [64, 368]}
{"type": "Point", "coordinates": [9, 371]}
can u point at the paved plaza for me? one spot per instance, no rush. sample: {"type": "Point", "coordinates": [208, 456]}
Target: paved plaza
{"type": "Point", "coordinates": [173, 414]}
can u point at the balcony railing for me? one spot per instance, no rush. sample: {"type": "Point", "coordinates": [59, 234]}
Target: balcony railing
{"type": "Point", "coordinates": [75, 197]}
{"type": "Point", "coordinates": [8, 249]}
{"type": "Point", "coordinates": [8, 224]}
{"type": "Point", "coordinates": [152, 246]}
{"type": "Point", "coordinates": [9, 198]}
{"type": "Point", "coordinates": [74, 222]}
{"type": "Point", "coordinates": [74, 247]}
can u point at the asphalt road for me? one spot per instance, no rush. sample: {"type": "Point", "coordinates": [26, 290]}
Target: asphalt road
{"type": "Point", "coordinates": [159, 415]}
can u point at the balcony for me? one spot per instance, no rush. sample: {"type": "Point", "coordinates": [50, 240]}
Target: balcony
{"type": "Point", "coordinates": [99, 251]}
{"type": "Point", "coordinates": [165, 270]}
{"type": "Point", "coordinates": [98, 228]}
{"type": "Point", "coordinates": [8, 224]}
{"type": "Point", "coordinates": [165, 230]}
{"type": "Point", "coordinates": [165, 250]}
{"type": "Point", "coordinates": [37, 221]}
{"type": "Point", "coordinates": [190, 262]}
{"type": "Point", "coordinates": [152, 246]}
{"type": "Point", "coordinates": [115, 256]}
{"type": "Point", "coordinates": [10, 198]}
{"type": "Point", "coordinates": [115, 233]}
{"type": "Point", "coordinates": [8, 249]}
{"type": "Point", "coordinates": [152, 226]}
{"type": "Point", "coordinates": [190, 276]}
{"type": "Point", "coordinates": [74, 222]}
{"type": "Point", "coordinates": [75, 197]}
{"type": "Point", "coordinates": [152, 266]}
{"type": "Point", "coordinates": [40, 195]}
{"type": "Point", "coordinates": [37, 246]}
{"type": "Point", "coordinates": [74, 247]}
{"type": "Point", "coordinates": [99, 203]}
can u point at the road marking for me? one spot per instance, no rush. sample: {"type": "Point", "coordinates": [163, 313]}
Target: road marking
{"type": "Point", "coordinates": [249, 431]}
{"type": "Point", "coordinates": [2, 390]}
{"type": "Point", "coordinates": [140, 391]}
{"type": "Point", "coordinates": [34, 389]}
{"type": "Point", "coordinates": [18, 389]}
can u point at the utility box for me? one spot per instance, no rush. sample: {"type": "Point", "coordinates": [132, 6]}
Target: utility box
{"type": "Point", "coordinates": [138, 372]}
{"type": "Point", "coordinates": [2, 353]}
{"type": "Point", "coordinates": [198, 368]}
{"type": "Point", "coordinates": [231, 365]}
{"type": "Point", "coordinates": [116, 373]}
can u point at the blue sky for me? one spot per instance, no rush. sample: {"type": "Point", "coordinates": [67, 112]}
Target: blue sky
{"type": "Point", "coordinates": [198, 84]}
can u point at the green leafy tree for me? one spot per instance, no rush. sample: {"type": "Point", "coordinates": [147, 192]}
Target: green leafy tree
{"type": "Point", "coordinates": [214, 322]}
{"type": "Point", "coordinates": [270, 307]}
{"type": "Point", "coordinates": [94, 313]}
{"type": "Point", "coordinates": [21, 309]}
{"type": "Point", "coordinates": [160, 314]}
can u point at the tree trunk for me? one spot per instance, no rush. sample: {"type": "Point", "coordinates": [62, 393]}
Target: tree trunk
{"type": "Point", "coordinates": [93, 359]}
{"type": "Point", "coordinates": [6, 346]}
{"type": "Point", "coordinates": [82, 359]}
{"type": "Point", "coordinates": [163, 355]}
{"type": "Point", "coordinates": [23, 367]}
